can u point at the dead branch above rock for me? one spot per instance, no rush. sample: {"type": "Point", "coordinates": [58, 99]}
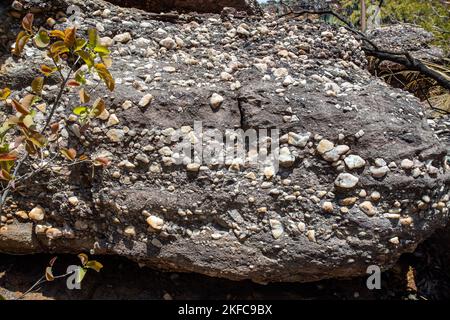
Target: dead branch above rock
{"type": "Point", "coordinates": [371, 49]}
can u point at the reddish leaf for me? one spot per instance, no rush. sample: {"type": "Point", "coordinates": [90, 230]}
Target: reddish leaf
{"type": "Point", "coordinates": [102, 161]}
{"type": "Point", "coordinates": [54, 127]}
{"type": "Point", "coordinates": [7, 157]}
{"type": "Point", "coordinates": [70, 154]}
{"type": "Point", "coordinates": [84, 258]}
{"type": "Point", "coordinates": [46, 70]}
{"type": "Point", "coordinates": [20, 108]}
{"type": "Point", "coordinates": [27, 101]}
{"type": "Point", "coordinates": [27, 22]}
{"type": "Point", "coordinates": [73, 83]}
{"type": "Point", "coordinates": [30, 147]}
{"type": "Point", "coordinates": [52, 261]}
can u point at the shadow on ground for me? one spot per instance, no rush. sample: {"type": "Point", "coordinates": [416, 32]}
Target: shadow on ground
{"type": "Point", "coordinates": [425, 274]}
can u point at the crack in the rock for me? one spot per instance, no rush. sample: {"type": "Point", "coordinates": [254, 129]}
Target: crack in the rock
{"type": "Point", "coordinates": [242, 123]}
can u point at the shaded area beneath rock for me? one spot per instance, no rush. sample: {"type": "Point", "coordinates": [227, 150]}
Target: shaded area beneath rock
{"type": "Point", "coordinates": [122, 279]}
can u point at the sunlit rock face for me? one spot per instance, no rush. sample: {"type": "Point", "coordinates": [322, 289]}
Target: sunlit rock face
{"type": "Point", "coordinates": [361, 180]}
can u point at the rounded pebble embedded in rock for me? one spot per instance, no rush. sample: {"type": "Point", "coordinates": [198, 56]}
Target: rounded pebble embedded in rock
{"type": "Point", "coordinates": [324, 146]}
{"type": "Point", "coordinates": [277, 228]}
{"type": "Point", "coordinates": [193, 167]}
{"type": "Point", "coordinates": [168, 43]}
{"type": "Point", "coordinates": [37, 214]}
{"type": "Point", "coordinates": [130, 231]}
{"type": "Point", "coordinates": [145, 100]}
{"type": "Point", "coordinates": [73, 201]}
{"type": "Point", "coordinates": [216, 100]}
{"type": "Point", "coordinates": [354, 162]}
{"type": "Point", "coordinates": [368, 208]}
{"type": "Point", "coordinates": [407, 164]}
{"type": "Point", "coordinates": [155, 222]}
{"type": "Point", "coordinates": [346, 181]}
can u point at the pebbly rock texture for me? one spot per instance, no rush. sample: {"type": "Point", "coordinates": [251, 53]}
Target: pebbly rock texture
{"type": "Point", "coordinates": [406, 37]}
{"type": "Point", "coordinates": [340, 202]}
{"type": "Point", "coordinates": [202, 6]}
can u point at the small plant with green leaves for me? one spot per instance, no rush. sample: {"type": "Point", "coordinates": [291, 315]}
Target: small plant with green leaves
{"type": "Point", "coordinates": [79, 272]}
{"type": "Point", "coordinates": [74, 61]}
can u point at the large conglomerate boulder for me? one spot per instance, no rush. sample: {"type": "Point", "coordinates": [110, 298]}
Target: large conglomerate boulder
{"type": "Point", "coordinates": [362, 178]}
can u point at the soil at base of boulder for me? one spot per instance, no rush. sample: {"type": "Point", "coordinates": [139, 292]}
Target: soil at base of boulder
{"type": "Point", "coordinates": [363, 179]}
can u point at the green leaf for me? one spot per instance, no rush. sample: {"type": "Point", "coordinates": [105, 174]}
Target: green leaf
{"type": "Point", "coordinates": [42, 39]}
{"type": "Point", "coordinates": [4, 148]}
{"type": "Point", "coordinates": [7, 125]}
{"type": "Point", "coordinates": [5, 93]}
{"type": "Point", "coordinates": [21, 41]}
{"type": "Point", "coordinates": [80, 110]}
{"type": "Point", "coordinates": [95, 265]}
{"type": "Point", "coordinates": [81, 272]}
{"type": "Point", "coordinates": [105, 75]}
{"type": "Point", "coordinates": [2, 297]}
{"type": "Point", "coordinates": [102, 49]}
{"type": "Point", "coordinates": [80, 77]}
{"type": "Point", "coordinates": [93, 38]}
{"type": "Point", "coordinates": [80, 44]}
{"type": "Point", "coordinates": [87, 58]}
{"type": "Point", "coordinates": [37, 85]}
{"type": "Point", "coordinates": [7, 166]}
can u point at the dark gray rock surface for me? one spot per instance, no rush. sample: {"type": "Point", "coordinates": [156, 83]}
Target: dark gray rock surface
{"type": "Point", "coordinates": [299, 224]}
